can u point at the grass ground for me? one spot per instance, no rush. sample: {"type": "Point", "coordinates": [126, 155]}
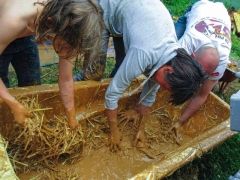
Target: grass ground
{"type": "Point", "coordinates": [216, 164]}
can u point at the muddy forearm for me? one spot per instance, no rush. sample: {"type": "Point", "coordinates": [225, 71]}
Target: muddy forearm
{"type": "Point", "coordinates": [144, 112]}
{"type": "Point", "coordinates": [192, 107]}
{"type": "Point", "coordinates": [112, 119]}
{"type": "Point", "coordinates": [142, 123]}
{"type": "Point", "coordinates": [196, 102]}
{"type": "Point", "coordinates": [67, 95]}
{"type": "Point", "coordinates": [66, 87]}
{"type": "Point", "coordinates": [6, 97]}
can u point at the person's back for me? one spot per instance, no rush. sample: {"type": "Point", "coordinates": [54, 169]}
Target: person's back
{"type": "Point", "coordinates": [18, 17]}
{"type": "Point", "coordinates": [208, 9]}
{"type": "Point", "coordinates": [143, 25]}
{"type": "Point", "coordinates": [151, 48]}
{"type": "Point", "coordinates": [148, 35]}
{"type": "Point", "coordinates": [208, 39]}
{"type": "Point", "coordinates": [208, 23]}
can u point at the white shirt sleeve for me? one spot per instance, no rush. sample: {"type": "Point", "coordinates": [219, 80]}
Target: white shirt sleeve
{"type": "Point", "coordinates": [133, 65]}
{"type": "Point", "coordinates": [186, 42]}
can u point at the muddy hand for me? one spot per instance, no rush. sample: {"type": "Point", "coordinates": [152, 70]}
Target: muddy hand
{"type": "Point", "coordinates": [128, 115]}
{"type": "Point", "coordinates": [175, 130]}
{"type": "Point", "coordinates": [20, 114]}
{"type": "Point", "coordinates": [115, 139]}
{"type": "Point", "coordinates": [71, 116]}
{"type": "Point", "coordinates": [140, 139]}
{"type": "Point", "coordinates": [73, 124]}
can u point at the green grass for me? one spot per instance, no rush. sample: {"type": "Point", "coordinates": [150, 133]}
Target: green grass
{"type": "Point", "coordinates": [177, 7]}
{"type": "Point", "coordinates": [235, 51]}
{"type": "Point", "coordinates": [49, 74]}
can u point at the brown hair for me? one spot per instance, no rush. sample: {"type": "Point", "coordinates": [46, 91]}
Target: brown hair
{"type": "Point", "coordinates": [78, 22]}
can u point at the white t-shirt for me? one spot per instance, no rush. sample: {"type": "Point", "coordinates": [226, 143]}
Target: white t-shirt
{"type": "Point", "coordinates": [209, 22]}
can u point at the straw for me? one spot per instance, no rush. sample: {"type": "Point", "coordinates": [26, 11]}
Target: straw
{"type": "Point", "coordinates": [42, 142]}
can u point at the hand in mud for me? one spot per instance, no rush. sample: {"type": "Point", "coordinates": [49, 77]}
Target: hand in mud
{"type": "Point", "coordinates": [176, 126]}
{"type": "Point", "coordinates": [115, 139]}
{"type": "Point", "coordinates": [140, 139]}
{"type": "Point", "coordinates": [20, 114]}
{"type": "Point", "coordinates": [73, 124]}
{"type": "Point", "coordinates": [71, 116]}
{"type": "Point", "coordinates": [128, 115]}
{"type": "Point", "coordinates": [175, 130]}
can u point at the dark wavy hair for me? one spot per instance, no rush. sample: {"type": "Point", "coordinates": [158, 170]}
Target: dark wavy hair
{"type": "Point", "coordinates": [186, 78]}
{"type": "Point", "coordinates": [78, 22]}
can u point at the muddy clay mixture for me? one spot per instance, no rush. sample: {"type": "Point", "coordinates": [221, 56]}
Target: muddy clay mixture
{"type": "Point", "coordinates": [47, 149]}
{"type": "Point", "coordinates": [95, 161]}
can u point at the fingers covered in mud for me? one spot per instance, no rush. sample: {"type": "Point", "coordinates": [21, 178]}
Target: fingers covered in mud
{"type": "Point", "coordinates": [21, 114]}
{"type": "Point", "coordinates": [140, 139]}
{"type": "Point", "coordinates": [175, 131]}
{"type": "Point", "coordinates": [73, 124]}
{"type": "Point", "coordinates": [114, 141]}
{"type": "Point", "coordinates": [115, 147]}
{"type": "Point", "coordinates": [127, 116]}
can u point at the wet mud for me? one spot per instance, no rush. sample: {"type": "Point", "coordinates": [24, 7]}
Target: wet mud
{"type": "Point", "coordinates": [96, 161]}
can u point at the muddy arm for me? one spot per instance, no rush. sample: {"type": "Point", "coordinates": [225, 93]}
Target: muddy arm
{"type": "Point", "coordinates": [67, 90]}
{"type": "Point", "coordinates": [140, 136]}
{"type": "Point", "coordinates": [115, 136]}
{"type": "Point", "coordinates": [18, 110]}
{"type": "Point", "coordinates": [196, 102]}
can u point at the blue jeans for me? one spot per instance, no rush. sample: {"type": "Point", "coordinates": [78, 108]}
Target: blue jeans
{"type": "Point", "coordinates": [23, 55]}
{"type": "Point", "coordinates": [180, 25]}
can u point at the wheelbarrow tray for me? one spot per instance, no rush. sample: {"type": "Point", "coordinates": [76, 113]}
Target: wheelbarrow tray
{"type": "Point", "coordinates": [100, 163]}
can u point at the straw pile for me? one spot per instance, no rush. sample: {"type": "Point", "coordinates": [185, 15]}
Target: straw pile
{"type": "Point", "coordinates": [43, 142]}
{"type": "Point", "coordinates": [96, 132]}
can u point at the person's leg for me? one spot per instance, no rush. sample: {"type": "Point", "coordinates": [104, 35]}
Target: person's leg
{"type": "Point", "coordinates": [119, 53]}
{"type": "Point", "coordinates": [27, 66]}
{"type": "Point", "coordinates": [4, 64]}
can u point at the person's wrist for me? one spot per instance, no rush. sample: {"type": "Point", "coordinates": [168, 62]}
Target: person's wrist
{"type": "Point", "coordinates": [181, 121]}
{"type": "Point", "coordinates": [111, 115]}
{"type": "Point", "coordinates": [142, 109]}
{"type": "Point", "coordinates": [71, 114]}
{"type": "Point", "coordinates": [14, 104]}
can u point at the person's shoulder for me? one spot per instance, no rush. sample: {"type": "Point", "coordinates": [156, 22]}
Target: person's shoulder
{"type": "Point", "coordinates": [10, 21]}
{"type": "Point", "coordinates": [17, 12]}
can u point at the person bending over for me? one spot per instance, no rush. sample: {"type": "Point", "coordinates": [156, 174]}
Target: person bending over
{"type": "Point", "coordinates": [207, 38]}
{"type": "Point", "coordinates": [74, 26]}
{"type": "Point", "coordinates": [151, 48]}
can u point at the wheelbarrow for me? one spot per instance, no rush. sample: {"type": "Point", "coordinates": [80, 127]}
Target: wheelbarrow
{"type": "Point", "coordinates": [162, 155]}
